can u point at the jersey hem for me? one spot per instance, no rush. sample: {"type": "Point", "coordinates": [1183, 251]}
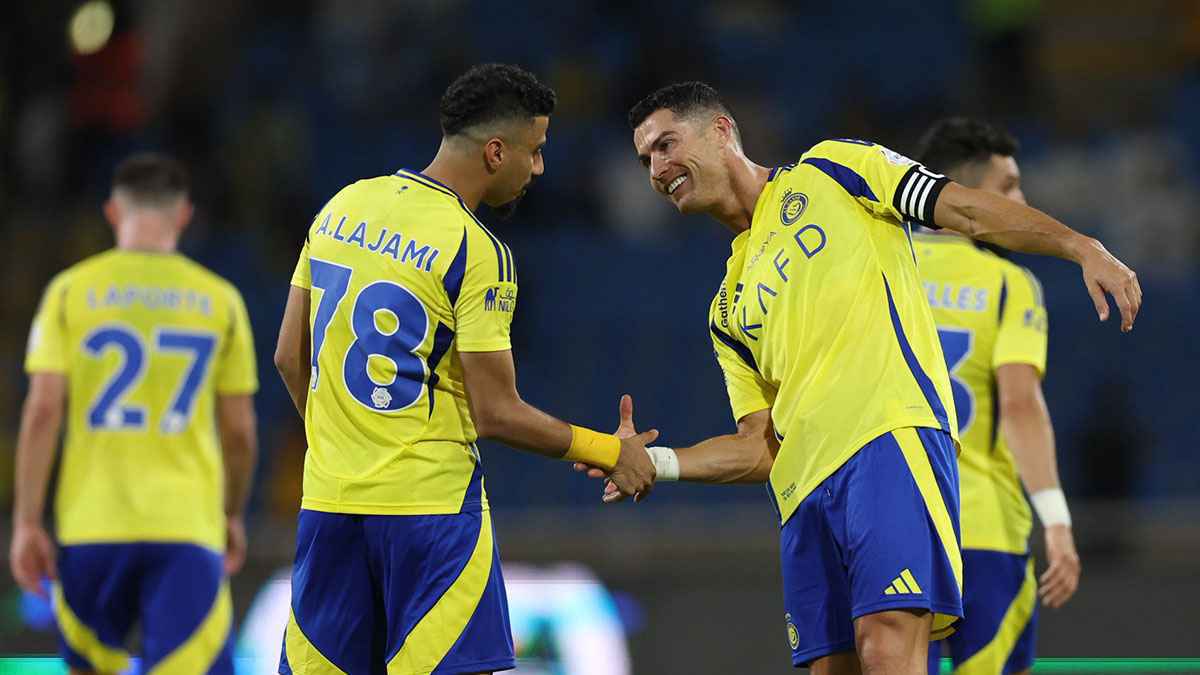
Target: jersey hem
{"type": "Point", "coordinates": [76, 540]}
{"type": "Point", "coordinates": [857, 444]}
{"type": "Point", "coordinates": [323, 506]}
{"type": "Point", "coordinates": [484, 346]}
{"type": "Point", "coordinates": [996, 549]}
{"type": "Point", "coordinates": [1020, 360]}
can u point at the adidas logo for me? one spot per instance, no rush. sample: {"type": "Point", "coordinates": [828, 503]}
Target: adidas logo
{"type": "Point", "coordinates": [905, 584]}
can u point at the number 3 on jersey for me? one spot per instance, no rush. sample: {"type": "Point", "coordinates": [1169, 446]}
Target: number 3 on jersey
{"type": "Point", "coordinates": [956, 345]}
{"type": "Point", "coordinates": [381, 302]}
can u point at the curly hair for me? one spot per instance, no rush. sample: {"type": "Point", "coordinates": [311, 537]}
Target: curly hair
{"type": "Point", "coordinates": [683, 99]}
{"type": "Point", "coordinates": [954, 142]}
{"type": "Point", "coordinates": [493, 92]}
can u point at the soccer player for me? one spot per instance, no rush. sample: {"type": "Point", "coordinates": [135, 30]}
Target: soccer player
{"type": "Point", "coordinates": [149, 357]}
{"type": "Point", "coordinates": [834, 371]}
{"type": "Point", "coordinates": [395, 347]}
{"type": "Point", "coordinates": [992, 325]}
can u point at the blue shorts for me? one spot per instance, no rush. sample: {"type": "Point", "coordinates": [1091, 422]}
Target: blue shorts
{"type": "Point", "coordinates": [999, 632]}
{"type": "Point", "coordinates": [177, 592]}
{"type": "Point", "coordinates": [880, 533]}
{"type": "Point", "coordinates": [398, 595]}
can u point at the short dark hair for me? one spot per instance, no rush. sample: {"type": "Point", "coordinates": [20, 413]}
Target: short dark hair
{"type": "Point", "coordinates": [681, 98]}
{"type": "Point", "coordinates": [151, 177]}
{"type": "Point", "coordinates": [954, 142]}
{"type": "Point", "coordinates": [493, 92]}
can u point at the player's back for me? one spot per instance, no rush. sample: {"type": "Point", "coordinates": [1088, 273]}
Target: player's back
{"type": "Point", "coordinates": [147, 341]}
{"type": "Point", "coordinates": [392, 263]}
{"type": "Point", "coordinates": [988, 312]}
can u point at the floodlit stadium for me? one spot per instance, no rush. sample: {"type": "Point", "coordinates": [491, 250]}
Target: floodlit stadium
{"type": "Point", "coordinates": [595, 338]}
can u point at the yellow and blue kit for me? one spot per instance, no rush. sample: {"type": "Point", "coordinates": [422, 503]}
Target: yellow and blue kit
{"type": "Point", "coordinates": [822, 319]}
{"type": "Point", "coordinates": [989, 313]}
{"type": "Point", "coordinates": [147, 341]}
{"type": "Point", "coordinates": [396, 564]}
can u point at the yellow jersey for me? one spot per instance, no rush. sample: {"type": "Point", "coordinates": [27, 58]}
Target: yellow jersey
{"type": "Point", "coordinates": [147, 341]}
{"type": "Point", "coordinates": [989, 312]}
{"type": "Point", "coordinates": [403, 277]}
{"type": "Point", "coordinates": [821, 316]}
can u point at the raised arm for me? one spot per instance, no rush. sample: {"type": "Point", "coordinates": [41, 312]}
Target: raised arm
{"type": "Point", "coordinates": [499, 413]}
{"type": "Point", "coordinates": [996, 220]}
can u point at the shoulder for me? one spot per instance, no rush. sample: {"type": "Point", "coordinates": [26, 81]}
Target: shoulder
{"type": "Point", "coordinates": [209, 280]}
{"type": "Point", "coordinates": [1017, 276]}
{"type": "Point", "coordinates": [95, 264]}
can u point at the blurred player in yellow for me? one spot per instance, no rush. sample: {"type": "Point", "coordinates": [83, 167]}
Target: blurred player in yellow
{"type": "Point", "coordinates": [992, 324]}
{"type": "Point", "coordinates": [395, 347]}
{"type": "Point", "coordinates": [834, 370]}
{"type": "Point", "coordinates": [149, 357]}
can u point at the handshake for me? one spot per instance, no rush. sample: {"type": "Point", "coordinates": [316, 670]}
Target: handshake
{"type": "Point", "coordinates": [638, 466]}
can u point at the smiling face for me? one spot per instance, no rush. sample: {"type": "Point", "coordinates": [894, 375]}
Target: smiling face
{"type": "Point", "coordinates": [685, 157]}
{"type": "Point", "coordinates": [516, 158]}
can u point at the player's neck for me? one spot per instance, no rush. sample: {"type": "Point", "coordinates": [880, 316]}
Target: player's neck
{"type": "Point", "coordinates": [746, 181]}
{"type": "Point", "coordinates": [455, 173]}
{"type": "Point", "coordinates": [146, 238]}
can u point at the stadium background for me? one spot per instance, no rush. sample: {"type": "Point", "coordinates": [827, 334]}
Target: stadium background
{"type": "Point", "coordinates": [275, 105]}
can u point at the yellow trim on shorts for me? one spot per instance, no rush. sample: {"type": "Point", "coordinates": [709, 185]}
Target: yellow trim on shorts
{"type": "Point", "coordinates": [431, 639]}
{"type": "Point", "coordinates": [994, 655]}
{"type": "Point", "coordinates": [201, 649]}
{"type": "Point", "coordinates": [303, 658]}
{"type": "Point", "coordinates": [83, 641]}
{"type": "Point", "coordinates": [917, 459]}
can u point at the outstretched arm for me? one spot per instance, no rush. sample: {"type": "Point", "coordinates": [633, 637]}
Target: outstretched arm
{"type": "Point", "coordinates": [744, 457]}
{"type": "Point", "coordinates": [996, 220]}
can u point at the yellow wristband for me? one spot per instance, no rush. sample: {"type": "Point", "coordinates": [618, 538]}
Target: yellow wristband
{"type": "Point", "coordinates": [594, 448]}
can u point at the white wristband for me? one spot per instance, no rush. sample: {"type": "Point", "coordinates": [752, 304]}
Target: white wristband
{"type": "Point", "coordinates": [666, 462]}
{"type": "Point", "coordinates": [1051, 507]}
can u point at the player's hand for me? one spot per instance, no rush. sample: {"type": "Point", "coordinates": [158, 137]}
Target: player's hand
{"type": "Point", "coordinates": [625, 429]}
{"type": "Point", "coordinates": [1103, 273]}
{"type": "Point", "coordinates": [32, 558]}
{"type": "Point", "coordinates": [235, 544]}
{"type": "Point", "coordinates": [1061, 578]}
{"type": "Point", "coordinates": [634, 473]}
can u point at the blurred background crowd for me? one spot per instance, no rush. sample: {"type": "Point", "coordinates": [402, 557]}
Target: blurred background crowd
{"type": "Point", "coordinates": [275, 105]}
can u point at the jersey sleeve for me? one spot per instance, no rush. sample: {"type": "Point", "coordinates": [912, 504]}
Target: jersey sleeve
{"type": "Point", "coordinates": [483, 309]}
{"type": "Point", "coordinates": [47, 348]}
{"type": "Point", "coordinates": [885, 182]}
{"type": "Point", "coordinates": [302, 276]}
{"type": "Point", "coordinates": [1023, 322]}
{"type": "Point", "coordinates": [237, 371]}
{"type": "Point", "coordinates": [748, 391]}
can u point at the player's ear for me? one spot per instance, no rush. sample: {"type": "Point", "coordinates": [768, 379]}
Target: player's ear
{"type": "Point", "coordinates": [725, 130]}
{"type": "Point", "coordinates": [112, 211]}
{"type": "Point", "coordinates": [493, 154]}
{"type": "Point", "coordinates": [185, 210]}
